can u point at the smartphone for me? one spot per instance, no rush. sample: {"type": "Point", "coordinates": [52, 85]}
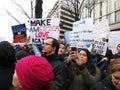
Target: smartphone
{"type": "Point", "coordinates": [73, 50]}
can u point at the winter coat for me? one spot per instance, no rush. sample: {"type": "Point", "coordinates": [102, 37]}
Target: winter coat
{"type": "Point", "coordinates": [81, 79]}
{"type": "Point", "coordinates": [6, 75]}
{"type": "Point", "coordinates": [59, 71]}
{"type": "Point", "coordinates": [105, 84]}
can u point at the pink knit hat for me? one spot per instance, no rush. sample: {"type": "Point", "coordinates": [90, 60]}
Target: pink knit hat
{"type": "Point", "coordinates": [34, 72]}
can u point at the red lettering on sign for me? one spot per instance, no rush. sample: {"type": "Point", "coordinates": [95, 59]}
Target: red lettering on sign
{"type": "Point", "coordinates": [41, 34]}
{"type": "Point", "coordinates": [49, 28]}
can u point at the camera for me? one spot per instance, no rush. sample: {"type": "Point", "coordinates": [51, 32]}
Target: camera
{"type": "Point", "coordinates": [73, 50]}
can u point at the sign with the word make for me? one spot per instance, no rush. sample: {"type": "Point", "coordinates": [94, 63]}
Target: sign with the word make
{"type": "Point", "coordinates": [40, 29]}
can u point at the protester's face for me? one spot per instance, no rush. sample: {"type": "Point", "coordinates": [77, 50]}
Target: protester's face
{"type": "Point", "coordinates": [83, 56]}
{"type": "Point", "coordinates": [116, 79]}
{"type": "Point", "coordinates": [61, 50]}
{"type": "Point", "coordinates": [118, 49]}
{"type": "Point", "coordinates": [47, 47]}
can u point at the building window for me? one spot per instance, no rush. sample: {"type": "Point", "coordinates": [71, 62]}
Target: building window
{"type": "Point", "coordinates": [117, 16]}
{"type": "Point", "coordinates": [85, 13]}
{"type": "Point", "coordinates": [109, 8]}
{"type": "Point", "coordinates": [117, 4]}
{"type": "Point", "coordinates": [109, 17]}
{"type": "Point", "coordinates": [108, 1]}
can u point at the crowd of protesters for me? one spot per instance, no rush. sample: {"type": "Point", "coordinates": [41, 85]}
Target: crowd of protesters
{"type": "Point", "coordinates": [57, 67]}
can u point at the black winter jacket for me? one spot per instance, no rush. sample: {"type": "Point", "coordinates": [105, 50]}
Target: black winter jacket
{"type": "Point", "coordinates": [105, 84]}
{"type": "Point", "coordinates": [59, 71]}
{"type": "Point", "coordinates": [6, 75]}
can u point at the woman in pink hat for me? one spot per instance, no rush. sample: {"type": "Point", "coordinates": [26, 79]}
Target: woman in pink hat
{"type": "Point", "coordinates": [33, 73]}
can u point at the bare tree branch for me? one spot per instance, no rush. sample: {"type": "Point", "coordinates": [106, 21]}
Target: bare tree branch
{"type": "Point", "coordinates": [76, 8]}
{"type": "Point", "coordinates": [80, 9]}
{"type": "Point", "coordinates": [21, 9]}
{"type": "Point", "coordinates": [12, 16]}
{"type": "Point", "coordinates": [68, 6]}
{"type": "Point", "coordinates": [32, 8]}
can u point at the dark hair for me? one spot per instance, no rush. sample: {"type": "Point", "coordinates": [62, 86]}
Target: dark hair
{"type": "Point", "coordinates": [7, 54]}
{"type": "Point", "coordinates": [20, 54]}
{"type": "Point", "coordinates": [50, 86]}
{"type": "Point", "coordinates": [118, 45]}
{"type": "Point", "coordinates": [55, 44]}
{"type": "Point", "coordinates": [89, 64]}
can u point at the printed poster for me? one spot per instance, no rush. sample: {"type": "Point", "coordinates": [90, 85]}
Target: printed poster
{"type": "Point", "coordinates": [40, 29]}
{"type": "Point", "coordinates": [19, 33]}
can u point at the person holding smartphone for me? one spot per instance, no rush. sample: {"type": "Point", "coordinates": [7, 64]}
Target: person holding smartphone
{"type": "Point", "coordinates": [81, 70]}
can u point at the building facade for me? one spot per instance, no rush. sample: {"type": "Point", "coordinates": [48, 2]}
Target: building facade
{"type": "Point", "coordinates": [66, 20]}
{"type": "Point", "coordinates": [97, 9]}
{"type": "Point", "coordinates": [105, 9]}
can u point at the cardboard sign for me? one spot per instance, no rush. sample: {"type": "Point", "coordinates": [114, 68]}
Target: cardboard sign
{"type": "Point", "coordinates": [40, 29]}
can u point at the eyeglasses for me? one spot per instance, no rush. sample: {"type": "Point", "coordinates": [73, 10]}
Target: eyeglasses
{"type": "Point", "coordinates": [46, 43]}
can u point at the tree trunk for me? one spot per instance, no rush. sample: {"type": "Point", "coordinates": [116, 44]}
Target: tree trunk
{"type": "Point", "coordinates": [38, 9]}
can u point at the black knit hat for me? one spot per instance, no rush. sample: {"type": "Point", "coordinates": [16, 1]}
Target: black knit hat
{"type": "Point", "coordinates": [7, 54]}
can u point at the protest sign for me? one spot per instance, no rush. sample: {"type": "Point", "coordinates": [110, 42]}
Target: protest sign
{"type": "Point", "coordinates": [101, 47]}
{"type": "Point", "coordinates": [114, 40]}
{"type": "Point", "coordinates": [101, 30]}
{"type": "Point", "coordinates": [40, 29]}
{"type": "Point", "coordinates": [74, 38]}
{"type": "Point", "coordinates": [81, 35]}
{"type": "Point", "coordinates": [67, 37]}
{"type": "Point", "coordinates": [19, 33]}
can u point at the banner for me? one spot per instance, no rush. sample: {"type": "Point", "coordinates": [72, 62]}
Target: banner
{"type": "Point", "coordinates": [114, 40]}
{"type": "Point", "coordinates": [19, 33]}
{"type": "Point", "coordinates": [81, 35]}
{"type": "Point", "coordinates": [101, 30]}
{"type": "Point", "coordinates": [40, 29]}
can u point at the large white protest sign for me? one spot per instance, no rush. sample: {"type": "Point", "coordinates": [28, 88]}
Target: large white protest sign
{"type": "Point", "coordinates": [74, 38]}
{"type": "Point", "coordinates": [2, 39]}
{"type": "Point", "coordinates": [101, 30]}
{"type": "Point", "coordinates": [114, 40]}
{"type": "Point", "coordinates": [40, 29]}
{"type": "Point", "coordinates": [82, 33]}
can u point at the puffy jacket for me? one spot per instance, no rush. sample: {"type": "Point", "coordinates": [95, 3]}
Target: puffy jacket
{"type": "Point", "coordinates": [105, 84]}
{"type": "Point", "coordinates": [59, 71]}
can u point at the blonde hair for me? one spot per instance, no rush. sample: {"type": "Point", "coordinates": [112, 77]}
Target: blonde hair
{"type": "Point", "coordinates": [114, 65]}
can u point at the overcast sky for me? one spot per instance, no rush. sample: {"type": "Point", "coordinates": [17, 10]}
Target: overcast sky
{"type": "Point", "coordinates": [7, 21]}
